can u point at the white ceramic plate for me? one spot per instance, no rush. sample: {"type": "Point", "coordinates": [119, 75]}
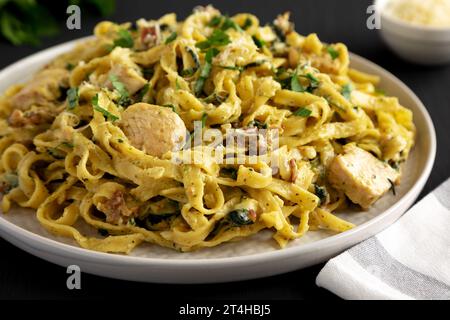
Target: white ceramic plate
{"type": "Point", "coordinates": [253, 257]}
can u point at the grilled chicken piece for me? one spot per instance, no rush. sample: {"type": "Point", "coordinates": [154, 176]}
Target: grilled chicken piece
{"type": "Point", "coordinates": [153, 129]}
{"type": "Point", "coordinates": [126, 71]}
{"type": "Point", "coordinates": [362, 177]}
{"type": "Point", "coordinates": [43, 89]}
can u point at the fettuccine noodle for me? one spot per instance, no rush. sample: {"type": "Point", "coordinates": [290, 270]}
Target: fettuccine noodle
{"type": "Point", "coordinates": [98, 136]}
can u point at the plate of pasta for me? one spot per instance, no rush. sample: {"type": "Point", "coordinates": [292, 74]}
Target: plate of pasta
{"type": "Point", "coordinates": [204, 150]}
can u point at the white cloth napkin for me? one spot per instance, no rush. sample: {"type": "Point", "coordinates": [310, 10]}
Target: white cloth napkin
{"type": "Point", "coordinates": [408, 260]}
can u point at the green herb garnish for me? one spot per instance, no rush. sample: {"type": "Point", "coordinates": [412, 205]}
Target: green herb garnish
{"type": "Point", "coordinates": [254, 64]}
{"type": "Point", "coordinates": [258, 124]}
{"type": "Point", "coordinates": [171, 38]}
{"type": "Point", "coordinates": [321, 192]}
{"type": "Point", "coordinates": [239, 218]}
{"type": "Point", "coordinates": [171, 106]}
{"type": "Point", "coordinates": [215, 21]}
{"type": "Point", "coordinates": [108, 115]}
{"type": "Point", "coordinates": [124, 98]}
{"type": "Point", "coordinates": [125, 40]}
{"type": "Point", "coordinates": [194, 57]}
{"type": "Point", "coordinates": [205, 70]}
{"type": "Point", "coordinates": [247, 23]}
{"type": "Point", "coordinates": [230, 24]}
{"type": "Point", "coordinates": [259, 42]}
{"type": "Point", "coordinates": [141, 94]}
{"type": "Point", "coordinates": [217, 39]}
{"type": "Point", "coordinates": [229, 172]}
{"type": "Point", "coordinates": [204, 117]}
{"type": "Point", "coordinates": [295, 84]}
{"type": "Point", "coordinates": [333, 52]}
{"type": "Point", "coordinates": [236, 68]}
{"type": "Point", "coordinates": [347, 91]}
{"type": "Point", "coordinates": [72, 98]}
{"type": "Point", "coordinates": [302, 112]}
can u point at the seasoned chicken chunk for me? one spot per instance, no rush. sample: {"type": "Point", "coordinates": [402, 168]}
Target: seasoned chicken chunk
{"type": "Point", "coordinates": [42, 89]}
{"type": "Point", "coordinates": [153, 129]}
{"type": "Point", "coordinates": [125, 70]}
{"type": "Point", "coordinates": [362, 177]}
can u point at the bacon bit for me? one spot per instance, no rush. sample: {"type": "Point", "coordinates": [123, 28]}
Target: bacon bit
{"type": "Point", "coordinates": [20, 119]}
{"type": "Point", "coordinates": [294, 172]}
{"type": "Point", "coordinates": [252, 214]}
{"type": "Point", "coordinates": [150, 35]}
{"type": "Point", "coordinates": [116, 210]}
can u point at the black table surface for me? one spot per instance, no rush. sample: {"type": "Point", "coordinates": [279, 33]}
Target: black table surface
{"type": "Point", "coordinates": [23, 276]}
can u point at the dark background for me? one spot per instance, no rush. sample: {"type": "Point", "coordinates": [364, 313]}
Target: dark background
{"type": "Point", "coordinates": [23, 276]}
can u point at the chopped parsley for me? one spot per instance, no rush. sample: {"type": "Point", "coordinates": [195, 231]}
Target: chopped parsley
{"type": "Point", "coordinates": [124, 98]}
{"type": "Point", "coordinates": [259, 42]}
{"type": "Point", "coordinates": [230, 24]}
{"type": "Point", "coordinates": [224, 22]}
{"type": "Point", "coordinates": [239, 218]}
{"type": "Point", "coordinates": [215, 21]}
{"type": "Point", "coordinates": [314, 82]}
{"type": "Point", "coordinates": [236, 68]}
{"type": "Point", "coordinates": [108, 115]}
{"type": "Point", "coordinates": [247, 23]}
{"type": "Point", "coordinates": [125, 40]}
{"type": "Point", "coordinates": [171, 38]}
{"type": "Point", "coordinates": [171, 106]}
{"type": "Point", "coordinates": [255, 64]}
{"type": "Point", "coordinates": [302, 112]}
{"type": "Point", "coordinates": [347, 91]}
{"type": "Point", "coordinates": [217, 39]}
{"type": "Point", "coordinates": [194, 57]}
{"type": "Point", "coordinates": [141, 94]}
{"type": "Point", "coordinates": [333, 52]}
{"type": "Point", "coordinates": [321, 192]}
{"type": "Point", "coordinates": [70, 66]}
{"type": "Point", "coordinates": [216, 97]}
{"type": "Point", "coordinates": [72, 98]}
{"type": "Point", "coordinates": [204, 117]}
{"type": "Point", "coordinates": [205, 70]}
{"type": "Point", "coordinates": [229, 172]}
{"type": "Point", "coordinates": [295, 84]}
{"type": "Point", "coordinates": [258, 124]}
{"type": "Point", "coordinates": [188, 72]}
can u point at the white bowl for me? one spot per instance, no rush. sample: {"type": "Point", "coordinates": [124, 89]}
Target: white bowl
{"type": "Point", "coordinates": [415, 43]}
{"type": "Point", "coordinates": [253, 257]}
